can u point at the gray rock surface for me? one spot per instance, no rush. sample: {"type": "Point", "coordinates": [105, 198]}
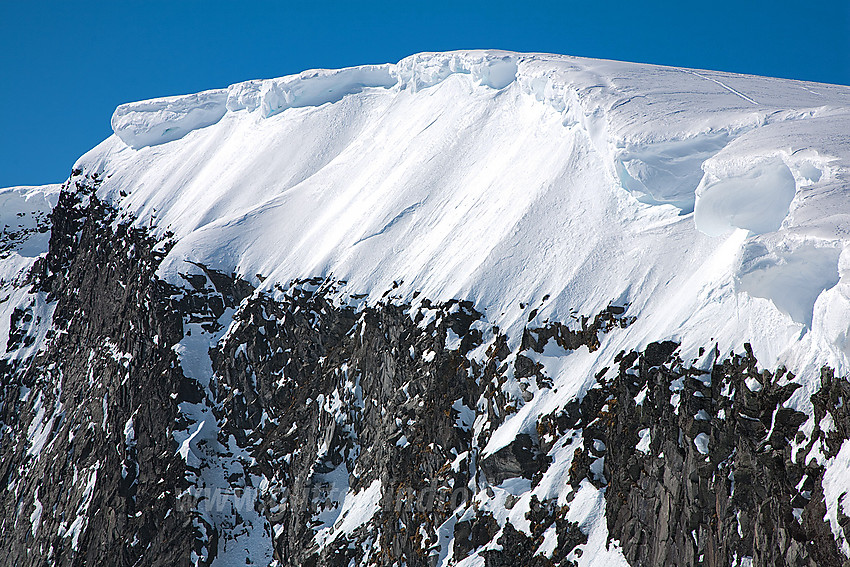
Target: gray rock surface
{"type": "Point", "coordinates": [311, 398]}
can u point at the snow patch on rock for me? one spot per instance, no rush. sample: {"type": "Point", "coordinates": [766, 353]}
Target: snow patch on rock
{"type": "Point", "coordinates": [836, 492]}
{"type": "Point", "coordinates": [356, 509]}
{"type": "Point", "coordinates": [22, 210]}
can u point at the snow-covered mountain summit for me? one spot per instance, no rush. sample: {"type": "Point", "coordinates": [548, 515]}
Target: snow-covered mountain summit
{"type": "Point", "coordinates": [596, 308]}
{"type": "Point", "coordinates": [693, 196]}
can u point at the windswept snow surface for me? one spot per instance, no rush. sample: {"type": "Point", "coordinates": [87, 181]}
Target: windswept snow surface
{"type": "Point", "coordinates": [714, 205]}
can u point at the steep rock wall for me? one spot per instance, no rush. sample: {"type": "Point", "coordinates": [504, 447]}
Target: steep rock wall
{"type": "Point", "coordinates": [360, 431]}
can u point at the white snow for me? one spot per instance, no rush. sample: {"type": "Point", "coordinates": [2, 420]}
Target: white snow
{"type": "Point", "coordinates": [463, 174]}
{"type": "Point", "coordinates": [645, 436]}
{"type": "Point", "coordinates": [641, 396]}
{"type": "Point", "coordinates": [129, 432]}
{"type": "Point", "coordinates": [668, 171]}
{"type": "Point", "coordinates": [587, 510]}
{"type": "Point", "coordinates": [41, 427]}
{"type": "Point", "coordinates": [756, 199]}
{"type": "Point", "coordinates": [550, 542]}
{"type": "Point", "coordinates": [186, 450]}
{"type": "Point", "coordinates": [357, 509]}
{"type": "Point", "coordinates": [35, 517]}
{"type": "Point", "coordinates": [21, 208]}
{"type": "Point", "coordinates": [701, 443]}
{"type": "Point", "coordinates": [491, 69]}
{"type": "Point", "coordinates": [792, 279]}
{"type": "Point", "coordinates": [465, 415]}
{"type": "Point", "coordinates": [161, 120]}
{"type": "Point", "coordinates": [310, 88]}
{"type": "Point", "coordinates": [836, 492]}
{"type": "Point", "coordinates": [22, 211]}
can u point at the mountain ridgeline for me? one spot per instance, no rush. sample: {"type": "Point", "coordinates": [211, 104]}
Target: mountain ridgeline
{"type": "Point", "coordinates": [292, 365]}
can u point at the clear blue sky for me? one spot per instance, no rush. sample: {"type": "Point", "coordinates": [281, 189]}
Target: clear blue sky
{"type": "Point", "coordinates": [66, 65]}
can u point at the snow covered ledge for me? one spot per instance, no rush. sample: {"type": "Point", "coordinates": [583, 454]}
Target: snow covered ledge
{"type": "Point", "coordinates": [494, 69]}
{"type": "Point", "coordinates": [754, 194]}
{"type": "Point", "coordinates": [161, 120]}
{"type": "Point", "coordinates": [756, 183]}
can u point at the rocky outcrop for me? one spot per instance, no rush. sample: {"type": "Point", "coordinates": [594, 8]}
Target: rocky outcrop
{"type": "Point", "coordinates": [88, 472]}
{"type": "Point", "coordinates": [367, 397]}
{"type": "Point", "coordinates": [723, 475]}
{"type": "Point", "coordinates": [344, 433]}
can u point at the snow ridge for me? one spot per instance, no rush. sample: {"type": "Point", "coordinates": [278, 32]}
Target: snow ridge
{"type": "Point", "coordinates": [151, 122]}
{"type": "Point", "coordinates": [161, 120]}
{"type": "Point", "coordinates": [413, 169]}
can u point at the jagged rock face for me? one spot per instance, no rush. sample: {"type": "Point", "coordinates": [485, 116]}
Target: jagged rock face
{"type": "Point", "coordinates": [87, 455]}
{"type": "Point", "coordinates": [357, 434]}
{"type": "Point", "coordinates": [354, 394]}
{"type": "Point", "coordinates": [383, 395]}
{"type": "Point", "coordinates": [718, 477]}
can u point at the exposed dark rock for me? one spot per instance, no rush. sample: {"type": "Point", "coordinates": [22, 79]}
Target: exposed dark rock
{"type": "Point", "coordinates": [313, 398]}
{"type": "Point", "coordinates": [520, 458]}
{"type": "Point", "coordinates": [718, 480]}
{"type": "Point", "coordinates": [472, 534]}
{"type": "Point", "coordinates": [397, 423]}
{"type": "Point", "coordinates": [103, 501]}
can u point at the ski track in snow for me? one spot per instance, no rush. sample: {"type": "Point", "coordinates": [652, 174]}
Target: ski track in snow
{"type": "Point", "coordinates": [724, 85]}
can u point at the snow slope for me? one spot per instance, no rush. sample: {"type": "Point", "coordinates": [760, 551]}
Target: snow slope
{"type": "Point", "coordinates": [696, 196]}
{"type": "Point", "coordinates": [714, 205]}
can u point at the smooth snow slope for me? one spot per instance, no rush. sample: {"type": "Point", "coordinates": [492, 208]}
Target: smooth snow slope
{"type": "Point", "coordinates": [715, 204]}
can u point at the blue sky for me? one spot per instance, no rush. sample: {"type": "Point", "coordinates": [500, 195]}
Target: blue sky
{"type": "Point", "coordinates": [65, 66]}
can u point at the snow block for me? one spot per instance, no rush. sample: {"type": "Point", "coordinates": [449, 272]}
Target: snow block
{"type": "Point", "coordinates": [161, 120]}
{"type": "Point", "coordinates": [792, 278]}
{"type": "Point", "coordinates": [310, 88]}
{"type": "Point", "coordinates": [491, 69]}
{"type": "Point", "coordinates": [755, 197]}
{"type": "Point", "coordinates": [668, 172]}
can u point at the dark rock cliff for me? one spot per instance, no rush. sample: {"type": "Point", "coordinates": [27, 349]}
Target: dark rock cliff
{"type": "Point", "coordinates": [96, 466]}
{"type": "Point", "coordinates": [311, 398]}
{"type": "Point", "coordinates": [720, 479]}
